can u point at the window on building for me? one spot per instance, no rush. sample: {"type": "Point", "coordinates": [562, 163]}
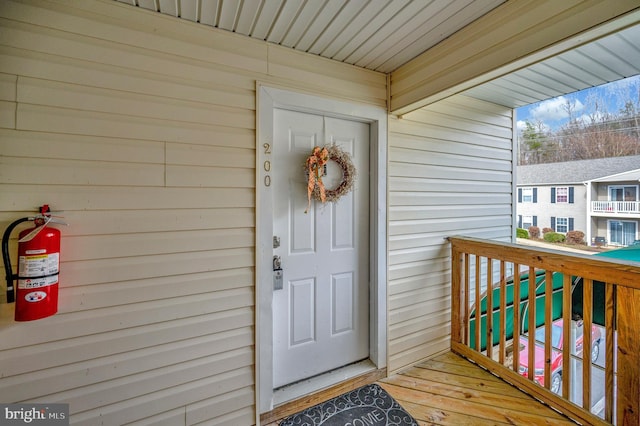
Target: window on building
{"type": "Point", "coordinates": [622, 233]}
{"type": "Point", "coordinates": [527, 222]}
{"type": "Point", "coordinates": [562, 194]}
{"type": "Point", "coordinates": [562, 225]}
{"type": "Point", "coordinates": [528, 195]}
{"type": "Point", "coordinates": [623, 193]}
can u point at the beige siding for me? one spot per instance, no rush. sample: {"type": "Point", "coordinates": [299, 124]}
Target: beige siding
{"type": "Point", "coordinates": [449, 174]}
{"type": "Point", "coordinates": [141, 128]}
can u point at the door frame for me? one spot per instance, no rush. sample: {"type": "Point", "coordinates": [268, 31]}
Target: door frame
{"type": "Point", "coordinates": [268, 99]}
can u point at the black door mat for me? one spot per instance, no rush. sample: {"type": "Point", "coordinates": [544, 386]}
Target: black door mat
{"type": "Point", "coordinates": [369, 405]}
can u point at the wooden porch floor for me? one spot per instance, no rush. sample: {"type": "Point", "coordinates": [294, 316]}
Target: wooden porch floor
{"type": "Point", "coordinates": [449, 390]}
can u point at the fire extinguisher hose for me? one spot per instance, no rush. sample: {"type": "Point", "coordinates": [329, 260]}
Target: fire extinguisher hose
{"type": "Point", "coordinates": [10, 276]}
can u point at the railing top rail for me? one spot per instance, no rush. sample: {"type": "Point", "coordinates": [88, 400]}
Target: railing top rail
{"type": "Point", "coordinates": [605, 269]}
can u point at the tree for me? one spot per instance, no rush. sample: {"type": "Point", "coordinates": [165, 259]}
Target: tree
{"type": "Point", "coordinates": [535, 144]}
{"type": "Point", "coordinates": [595, 133]}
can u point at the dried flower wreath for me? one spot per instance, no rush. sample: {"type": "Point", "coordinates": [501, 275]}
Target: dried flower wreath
{"type": "Point", "coordinates": [315, 167]}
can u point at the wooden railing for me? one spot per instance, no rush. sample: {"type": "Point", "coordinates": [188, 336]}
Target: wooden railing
{"type": "Point", "coordinates": [490, 324]}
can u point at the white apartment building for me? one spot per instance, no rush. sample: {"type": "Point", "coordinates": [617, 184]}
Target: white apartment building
{"type": "Point", "coordinates": [599, 197]}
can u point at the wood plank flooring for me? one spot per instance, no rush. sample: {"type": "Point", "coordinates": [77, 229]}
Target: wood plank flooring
{"type": "Point", "coordinates": [449, 390]}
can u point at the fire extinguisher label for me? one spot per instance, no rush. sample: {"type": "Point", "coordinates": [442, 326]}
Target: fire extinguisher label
{"type": "Point", "coordinates": [28, 283]}
{"type": "Point", "coordinates": [39, 265]}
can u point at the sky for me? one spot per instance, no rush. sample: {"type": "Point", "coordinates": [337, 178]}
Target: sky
{"type": "Point", "coordinates": [552, 116]}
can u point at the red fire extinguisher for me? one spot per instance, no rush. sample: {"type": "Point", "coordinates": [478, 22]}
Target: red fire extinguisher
{"type": "Point", "coordinates": [36, 295]}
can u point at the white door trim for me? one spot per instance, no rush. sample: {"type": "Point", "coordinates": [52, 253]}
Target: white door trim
{"type": "Point", "coordinates": [269, 98]}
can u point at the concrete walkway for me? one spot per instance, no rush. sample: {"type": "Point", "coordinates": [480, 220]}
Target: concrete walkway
{"type": "Point", "coordinates": [526, 242]}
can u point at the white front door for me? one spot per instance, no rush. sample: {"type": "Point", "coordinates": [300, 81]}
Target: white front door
{"type": "Point", "coordinates": [321, 316]}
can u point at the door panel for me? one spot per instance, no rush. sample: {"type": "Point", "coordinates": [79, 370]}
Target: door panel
{"type": "Point", "coordinates": [342, 303]}
{"type": "Point", "coordinates": [302, 315]}
{"type": "Point", "coordinates": [320, 317]}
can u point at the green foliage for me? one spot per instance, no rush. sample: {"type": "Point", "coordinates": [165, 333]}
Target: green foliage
{"type": "Point", "coordinates": [533, 138]}
{"type": "Point", "coordinates": [522, 233]}
{"type": "Point", "coordinates": [554, 237]}
{"type": "Point", "coordinates": [534, 144]}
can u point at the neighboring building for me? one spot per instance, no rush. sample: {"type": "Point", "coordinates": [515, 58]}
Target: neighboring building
{"type": "Point", "coordinates": [599, 197]}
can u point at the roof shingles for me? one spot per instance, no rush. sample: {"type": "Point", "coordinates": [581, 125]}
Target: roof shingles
{"type": "Point", "coordinates": [575, 171]}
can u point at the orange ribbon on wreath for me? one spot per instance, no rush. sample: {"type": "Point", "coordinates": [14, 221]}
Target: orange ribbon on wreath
{"type": "Point", "coordinates": [314, 165]}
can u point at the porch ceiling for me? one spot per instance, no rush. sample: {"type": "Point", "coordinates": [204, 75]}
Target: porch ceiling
{"type": "Point", "coordinates": [608, 59]}
{"type": "Point", "coordinates": [384, 35]}
{"type": "Point", "coordinates": [378, 35]}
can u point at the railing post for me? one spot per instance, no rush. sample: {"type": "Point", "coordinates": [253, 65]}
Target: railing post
{"type": "Point", "coordinates": [628, 393]}
{"type": "Point", "coordinates": [456, 295]}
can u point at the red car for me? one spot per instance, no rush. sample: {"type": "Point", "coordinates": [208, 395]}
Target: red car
{"type": "Point", "coordinates": [556, 353]}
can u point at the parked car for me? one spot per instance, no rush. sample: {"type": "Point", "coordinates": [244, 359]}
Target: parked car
{"type": "Point", "coordinates": [556, 352]}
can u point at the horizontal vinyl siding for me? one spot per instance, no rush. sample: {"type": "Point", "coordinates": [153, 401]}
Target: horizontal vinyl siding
{"type": "Point", "coordinates": [141, 129]}
{"type": "Point", "coordinates": [449, 174]}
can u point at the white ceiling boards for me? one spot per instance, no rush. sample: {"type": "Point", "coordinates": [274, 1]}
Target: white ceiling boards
{"type": "Point", "coordinates": [379, 35]}
{"type": "Point", "coordinates": [512, 53]}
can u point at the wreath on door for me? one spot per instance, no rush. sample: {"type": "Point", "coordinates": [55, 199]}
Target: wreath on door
{"type": "Point", "coordinates": [315, 168]}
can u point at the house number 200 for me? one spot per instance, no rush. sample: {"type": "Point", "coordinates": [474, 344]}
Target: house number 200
{"type": "Point", "coordinates": [267, 164]}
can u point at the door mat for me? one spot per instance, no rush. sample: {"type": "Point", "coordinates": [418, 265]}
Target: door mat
{"type": "Point", "coordinates": [369, 405]}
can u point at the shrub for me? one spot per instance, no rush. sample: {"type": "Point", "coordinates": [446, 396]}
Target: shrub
{"type": "Point", "coordinates": [546, 230]}
{"type": "Point", "coordinates": [522, 233]}
{"type": "Point", "coordinates": [534, 232]}
{"type": "Point", "coordinates": [554, 237]}
{"type": "Point", "coordinates": [575, 237]}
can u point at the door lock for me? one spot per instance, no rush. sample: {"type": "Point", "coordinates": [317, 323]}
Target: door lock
{"type": "Point", "coordinates": [277, 273]}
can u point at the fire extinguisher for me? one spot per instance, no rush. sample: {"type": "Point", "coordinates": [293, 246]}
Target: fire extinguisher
{"type": "Point", "coordinates": [36, 295]}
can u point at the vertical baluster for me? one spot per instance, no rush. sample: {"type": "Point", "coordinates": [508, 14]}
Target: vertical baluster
{"type": "Point", "coordinates": [548, 318]}
{"type": "Point", "coordinates": [467, 311]}
{"type": "Point", "coordinates": [503, 312]}
{"type": "Point", "coordinates": [532, 322]}
{"type": "Point", "coordinates": [609, 324]}
{"type": "Point", "coordinates": [566, 334]}
{"type": "Point", "coordinates": [516, 317]}
{"type": "Point", "coordinates": [477, 303]}
{"type": "Point", "coordinates": [489, 287]}
{"type": "Point", "coordinates": [457, 319]}
{"type": "Point", "coordinates": [587, 318]}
